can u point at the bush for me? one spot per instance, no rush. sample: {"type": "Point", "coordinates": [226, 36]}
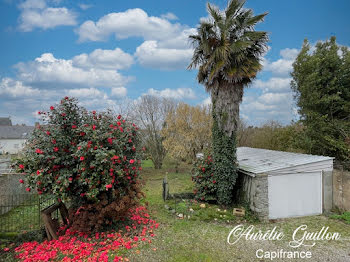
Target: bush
{"type": "Point", "coordinates": [203, 177]}
{"type": "Point", "coordinates": [88, 158]}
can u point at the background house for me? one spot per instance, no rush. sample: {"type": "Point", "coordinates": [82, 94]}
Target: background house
{"type": "Point", "coordinates": [12, 138]}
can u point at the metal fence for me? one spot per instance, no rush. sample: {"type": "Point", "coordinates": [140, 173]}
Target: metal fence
{"type": "Point", "coordinates": [21, 212]}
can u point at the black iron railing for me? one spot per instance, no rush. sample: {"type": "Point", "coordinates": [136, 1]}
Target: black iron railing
{"type": "Point", "coordinates": [21, 212]}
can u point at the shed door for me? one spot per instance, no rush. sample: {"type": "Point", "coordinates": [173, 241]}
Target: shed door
{"type": "Point", "coordinates": [295, 195]}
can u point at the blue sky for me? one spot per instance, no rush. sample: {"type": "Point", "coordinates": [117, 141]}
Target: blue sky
{"type": "Point", "coordinates": [109, 52]}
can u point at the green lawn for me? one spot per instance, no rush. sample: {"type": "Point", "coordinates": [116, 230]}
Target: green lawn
{"type": "Point", "coordinates": [203, 235]}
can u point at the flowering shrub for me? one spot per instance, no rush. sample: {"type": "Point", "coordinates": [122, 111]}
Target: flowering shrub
{"type": "Point", "coordinates": [86, 157]}
{"type": "Point", "coordinates": [204, 180]}
{"type": "Point", "coordinates": [104, 246]}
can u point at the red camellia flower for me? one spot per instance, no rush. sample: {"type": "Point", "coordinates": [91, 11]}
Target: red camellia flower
{"type": "Point", "coordinates": [82, 158]}
{"type": "Point", "coordinates": [70, 179]}
{"type": "Point", "coordinates": [94, 127]}
{"type": "Point", "coordinates": [214, 181]}
{"type": "Point", "coordinates": [21, 166]}
{"type": "Point", "coordinates": [132, 161]}
{"type": "Point", "coordinates": [119, 117]}
{"type": "Point", "coordinates": [52, 108]}
{"type": "Point", "coordinates": [48, 133]}
{"type": "Point", "coordinates": [55, 149]}
{"type": "Point", "coordinates": [119, 124]}
{"type": "Point", "coordinates": [38, 172]}
{"type": "Point", "coordinates": [108, 186]}
{"type": "Point", "coordinates": [38, 151]}
{"type": "Point", "coordinates": [110, 140]}
{"type": "Point", "coordinates": [94, 112]}
{"type": "Point", "coordinates": [39, 113]}
{"type": "Point", "coordinates": [53, 141]}
{"type": "Point", "coordinates": [74, 126]}
{"type": "Point", "coordinates": [28, 189]}
{"type": "Point", "coordinates": [21, 181]}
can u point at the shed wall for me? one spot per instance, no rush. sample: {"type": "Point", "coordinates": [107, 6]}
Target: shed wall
{"type": "Point", "coordinates": [255, 192]}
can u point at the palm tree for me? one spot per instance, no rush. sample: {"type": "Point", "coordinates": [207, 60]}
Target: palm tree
{"type": "Point", "coordinates": [227, 52]}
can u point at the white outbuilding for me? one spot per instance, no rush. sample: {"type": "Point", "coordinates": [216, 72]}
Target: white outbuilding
{"type": "Point", "coordinates": [282, 184]}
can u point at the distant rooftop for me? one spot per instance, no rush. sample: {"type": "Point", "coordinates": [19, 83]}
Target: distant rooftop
{"type": "Point", "coordinates": [15, 132]}
{"type": "Point", "coordinates": [257, 161]}
{"type": "Point", "coordinates": [5, 121]}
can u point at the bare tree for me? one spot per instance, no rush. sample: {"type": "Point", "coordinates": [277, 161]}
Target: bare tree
{"type": "Point", "coordinates": [150, 113]}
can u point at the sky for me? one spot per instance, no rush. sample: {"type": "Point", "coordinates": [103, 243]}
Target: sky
{"type": "Point", "coordinates": [108, 53]}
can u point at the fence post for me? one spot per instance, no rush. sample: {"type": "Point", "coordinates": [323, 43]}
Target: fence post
{"type": "Point", "coordinates": [39, 210]}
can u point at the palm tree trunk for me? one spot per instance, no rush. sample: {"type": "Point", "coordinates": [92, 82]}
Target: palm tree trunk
{"type": "Point", "coordinates": [226, 99]}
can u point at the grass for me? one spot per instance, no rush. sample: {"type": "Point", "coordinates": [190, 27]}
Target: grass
{"type": "Point", "coordinates": [344, 217]}
{"type": "Point", "coordinates": [202, 237]}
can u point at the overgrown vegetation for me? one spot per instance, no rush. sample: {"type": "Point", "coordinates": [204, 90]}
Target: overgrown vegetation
{"type": "Point", "coordinates": [227, 52]}
{"type": "Point", "coordinates": [89, 159]}
{"type": "Point", "coordinates": [321, 84]}
{"type": "Point", "coordinates": [344, 217]}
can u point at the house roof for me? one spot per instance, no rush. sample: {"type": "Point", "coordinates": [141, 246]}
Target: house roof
{"type": "Point", "coordinates": [257, 161]}
{"type": "Point", "coordinates": [15, 132]}
{"type": "Point", "coordinates": [5, 121]}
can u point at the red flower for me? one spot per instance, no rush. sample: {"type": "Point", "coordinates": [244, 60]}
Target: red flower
{"type": "Point", "coordinates": [21, 166]}
{"type": "Point", "coordinates": [119, 117]}
{"type": "Point", "coordinates": [132, 161]}
{"type": "Point", "coordinates": [53, 141]}
{"type": "Point", "coordinates": [52, 108]}
{"type": "Point", "coordinates": [203, 169]}
{"type": "Point", "coordinates": [74, 126]}
{"type": "Point", "coordinates": [48, 133]}
{"type": "Point", "coordinates": [119, 124]}
{"type": "Point", "coordinates": [214, 181]}
{"type": "Point", "coordinates": [70, 179]}
{"type": "Point", "coordinates": [82, 158]}
{"type": "Point", "coordinates": [94, 112]}
{"type": "Point", "coordinates": [63, 114]}
{"type": "Point", "coordinates": [38, 172]}
{"type": "Point", "coordinates": [55, 149]}
{"type": "Point", "coordinates": [39, 113]}
{"type": "Point", "coordinates": [39, 151]}
{"type": "Point", "coordinates": [93, 127]}
{"type": "Point", "coordinates": [110, 140]}
{"type": "Point", "coordinates": [28, 189]}
{"type": "Point", "coordinates": [21, 181]}
{"type": "Point", "coordinates": [108, 186]}
{"type": "Point", "coordinates": [6, 249]}
{"type": "Point", "coordinates": [66, 98]}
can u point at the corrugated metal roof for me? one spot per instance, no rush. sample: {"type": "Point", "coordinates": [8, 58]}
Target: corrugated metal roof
{"type": "Point", "coordinates": [13, 132]}
{"type": "Point", "coordinates": [257, 161]}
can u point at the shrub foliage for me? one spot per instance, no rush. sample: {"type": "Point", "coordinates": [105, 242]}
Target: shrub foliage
{"type": "Point", "coordinates": [88, 158]}
{"type": "Point", "coordinates": [205, 184]}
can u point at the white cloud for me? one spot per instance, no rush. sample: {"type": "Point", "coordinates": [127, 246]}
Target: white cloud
{"type": "Point", "coordinates": [50, 72]}
{"type": "Point", "coordinates": [149, 54]}
{"type": "Point", "coordinates": [131, 23]}
{"type": "Point", "coordinates": [274, 84]}
{"type": "Point", "coordinates": [118, 91]}
{"type": "Point", "coordinates": [36, 14]}
{"type": "Point", "coordinates": [206, 102]}
{"type": "Point", "coordinates": [84, 6]}
{"type": "Point", "coordinates": [14, 88]}
{"type": "Point", "coordinates": [169, 16]}
{"type": "Point", "coordinates": [276, 98]}
{"type": "Point", "coordinates": [283, 66]}
{"type": "Point", "coordinates": [180, 93]}
{"type": "Point", "coordinates": [104, 59]}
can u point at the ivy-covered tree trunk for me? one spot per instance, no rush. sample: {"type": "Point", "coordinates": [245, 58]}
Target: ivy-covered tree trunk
{"type": "Point", "coordinates": [226, 99]}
